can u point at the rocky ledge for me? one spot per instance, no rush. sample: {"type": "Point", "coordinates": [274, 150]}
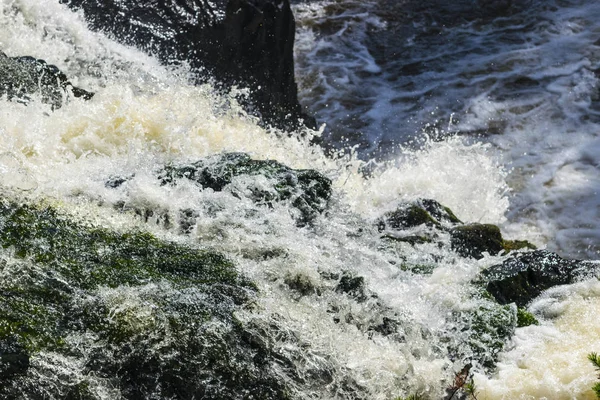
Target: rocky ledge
{"type": "Point", "coordinates": [248, 43]}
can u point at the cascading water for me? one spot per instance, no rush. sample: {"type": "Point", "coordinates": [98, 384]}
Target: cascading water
{"type": "Point", "coordinates": [343, 313]}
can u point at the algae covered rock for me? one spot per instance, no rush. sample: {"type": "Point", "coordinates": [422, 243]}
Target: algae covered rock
{"type": "Point", "coordinates": [21, 77]}
{"type": "Point", "coordinates": [491, 326]}
{"type": "Point", "coordinates": [522, 278]}
{"type": "Point", "coordinates": [307, 190]}
{"type": "Point", "coordinates": [420, 212]}
{"type": "Point", "coordinates": [474, 239]}
{"type": "Point", "coordinates": [86, 311]}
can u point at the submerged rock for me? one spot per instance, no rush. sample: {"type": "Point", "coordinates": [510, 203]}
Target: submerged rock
{"type": "Point", "coordinates": [244, 43]}
{"type": "Point", "coordinates": [127, 313]}
{"type": "Point", "coordinates": [522, 278]}
{"type": "Point", "coordinates": [307, 190]}
{"type": "Point", "coordinates": [421, 220]}
{"type": "Point", "coordinates": [22, 77]}
{"type": "Point", "coordinates": [420, 212]}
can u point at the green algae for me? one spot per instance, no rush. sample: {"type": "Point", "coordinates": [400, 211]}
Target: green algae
{"type": "Point", "coordinates": [89, 256]}
{"type": "Point", "coordinates": [158, 317]}
{"type": "Point", "coordinates": [512, 245]}
{"type": "Point", "coordinates": [525, 318]}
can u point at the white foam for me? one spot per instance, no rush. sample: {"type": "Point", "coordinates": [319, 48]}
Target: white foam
{"type": "Point", "coordinates": [550, 360]}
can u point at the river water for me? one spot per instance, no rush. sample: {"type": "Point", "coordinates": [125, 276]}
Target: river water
{"type": "Point", "coordinates": [525, 81]}
{"type": "Point", "coordinates": [494, 117]}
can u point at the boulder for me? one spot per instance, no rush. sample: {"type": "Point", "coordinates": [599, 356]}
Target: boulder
{"type": "Point", "coordinates": [307, 190]}
{"type": "Point", "coordinates": [156, 318]}
{"type": "Point", "coordinates": [473, 240]}
{"type": "Point", "coordinates": [525, 276]}
{"type": "Point", "coordinates": [22, 77]}
{"type": "Point", "coordinates": [428, 217]}
{"type": "Point", "coordinates": [420, 212]}
{"type": "Point", "coordinates": [248, 43]}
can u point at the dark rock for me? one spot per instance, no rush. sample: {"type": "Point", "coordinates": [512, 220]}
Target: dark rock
{"type": "Point", "coordinates": [387, 327]}
{"type": "Point", "coordinates": [487, 328]}
{"type": "Point", "coordinates": [301, 284]}
{"type": "Point", "coordinates": [247, 43]}
{"type": "Point", "coordinates": [189, 345]}
{"type": "Point", "coordinates": [420, 212]}
{"type": "Point", "coordinates": [474, 239]}
{"type": "Point", "coordinates": [14, 358]}
{"type": "Point", "coordinates": [22, 77]}
{"type": "Point", "coordinates": [307, 190]}
{"type": "Point", "coordinates": [522, 278]}
{"type": "Point", "coordinates": [352, 285]}
{"type": "Point", "coordinates": [440, 212]}
{"type": "Point", "coordinates": [406, 216]}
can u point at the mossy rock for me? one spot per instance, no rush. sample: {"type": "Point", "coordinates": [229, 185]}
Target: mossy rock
{"type": "Point", "coordinates": [525, 318]}
{"type": "Point", "coordinates": [426, 212]}
{"type": "Point", "coordinates": [21, 77]}
{"type": "Point", "coordinates": [156, 317]}
{"type": "Point", "coordinates": [475, 239]}
{"type": "Point", "coordinates": [513, 245]}
{"type": "Point", "coordinates": [410, 239]}
{"type": "Point", "coordinates": [438, 211]}
{"type": "Point", "coordinates": [301, 284]}
{"type": "Point", "coordinates": [406, 216]}
{"type": "Point", "coordinates": [353, 286]}
{"type": "Point", "coordinates": [489, 327]}
{"type": "Point", "coordinates": [307, 190]}
{"type": "Point", "coordinates": [525, 276]}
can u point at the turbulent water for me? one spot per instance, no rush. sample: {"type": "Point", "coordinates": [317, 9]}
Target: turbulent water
{"type": "Point", "coordinates": [495, 118]}
{"type": "Point", "coordinates": [384, 73]}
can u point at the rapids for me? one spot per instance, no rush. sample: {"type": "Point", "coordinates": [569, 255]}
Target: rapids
{"type": "Point", "coordinates": [144, 116]}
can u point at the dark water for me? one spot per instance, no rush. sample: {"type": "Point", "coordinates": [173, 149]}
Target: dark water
{"type": "Point", "coordinates": [522, 77]}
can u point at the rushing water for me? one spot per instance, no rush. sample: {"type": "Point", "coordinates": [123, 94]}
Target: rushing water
{"type": "Point", "coordinates": [526, 82]}
{"type": "Point", "coordinates": [383, 73]}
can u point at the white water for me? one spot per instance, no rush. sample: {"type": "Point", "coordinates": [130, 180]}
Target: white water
{"type": "Point", "coordinates": [384, 73]}
{"type": "Point", "coordinates": [144, 115]}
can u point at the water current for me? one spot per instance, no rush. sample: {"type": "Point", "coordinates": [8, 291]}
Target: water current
{"type": "Point", "coordinates": [494, 117]}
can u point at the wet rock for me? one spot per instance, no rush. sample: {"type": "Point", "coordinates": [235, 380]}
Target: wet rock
{"type": "Point", "coordinates": [487, 329]}
{"type": "Point", "coordinates": [522, 278]}
{"type": "Point", "coordinates": [301, 283]}
{"type": "Point", "coordinates": [475, 239]}
{"type": "Point", "coordinates": [247, 43]}
{"type": "Point", "coordinates": [14, 358]}
{"type": "Point", "coordinates": [420, 212]}
{"type": "Point", "coordinates": [353, 286]}
{"type": "Point", "coordinates": [22, 77]}
{"type": "Point", "coordinates": [155, 317]}
{"type": "Point", "coordinates": [308, 191]}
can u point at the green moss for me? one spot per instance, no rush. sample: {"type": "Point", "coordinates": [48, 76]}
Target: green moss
{"type": "Point", "coordinates": [525, 318]}
{"type": "Point", "coordinates": [489, 326]}
{"type": "Point", "coordinates": [474, 239]}
{"type": "Point", "coordinates": [158, 316]}
{"type": "Point", "coordinates": [307, 190]}
{"type": "Point", "coordinates": [451, 216]}
{"type": "Point", "coordinates": [88, 256]}
{"type": "Point", "coordinates": [511, 245]}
